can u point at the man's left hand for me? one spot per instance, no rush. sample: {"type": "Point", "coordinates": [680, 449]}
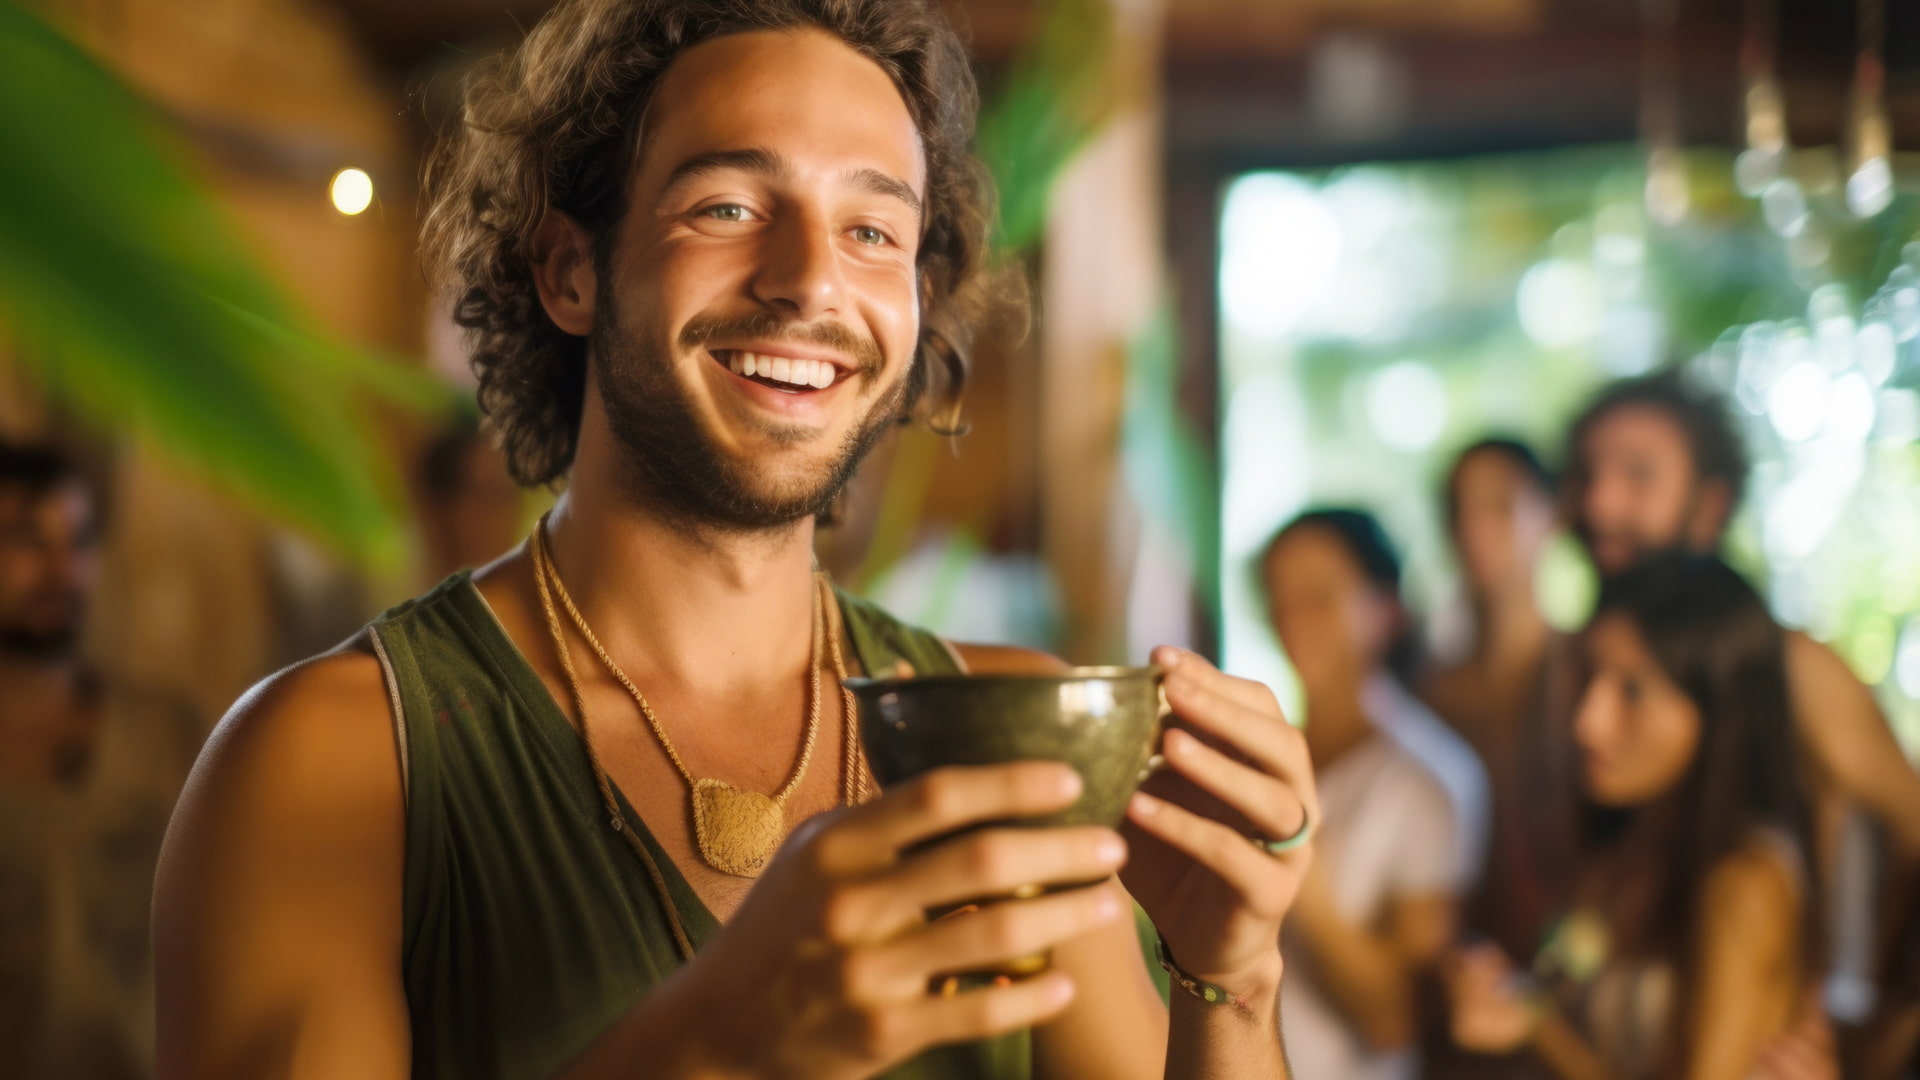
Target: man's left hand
{"type": "Point", "coordinates": [1238, 778]}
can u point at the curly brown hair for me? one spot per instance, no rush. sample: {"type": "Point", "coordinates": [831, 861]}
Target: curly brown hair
{"type": "Point", "coordinates": [554, 125]}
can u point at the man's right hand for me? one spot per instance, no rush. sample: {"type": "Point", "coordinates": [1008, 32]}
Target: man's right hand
{"type": "Point", "coordinates": [824, 972]}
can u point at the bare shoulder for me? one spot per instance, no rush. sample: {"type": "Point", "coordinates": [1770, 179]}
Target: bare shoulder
{"type": "Point", "coordinates": [1007, 660]}
{"type": "Point", "coordinates": [1831, 706]}
{"type": "Point", "coordinates": [278, 903]}
{"type": "Point", "coordinates": [305, 759]}
{"type": "Point", "coordinates": [1752, 897]}
{"type": "Point", "coordinates": [328, 716]}
{"type": "Point", "coordinates": [1817, 664]}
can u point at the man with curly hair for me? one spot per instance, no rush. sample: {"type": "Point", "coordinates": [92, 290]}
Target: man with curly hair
{"type": "Point", "coordinates": [597, 809]}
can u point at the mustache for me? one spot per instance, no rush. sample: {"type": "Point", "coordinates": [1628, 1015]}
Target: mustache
{"type": "Point", "coordinates": [863, 351]}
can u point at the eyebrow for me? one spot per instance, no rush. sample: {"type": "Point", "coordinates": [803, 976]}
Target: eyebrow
{"type": "Point", "coordinates": [881, 184]}
{"type": "Point", "coordinates": [761, 161]}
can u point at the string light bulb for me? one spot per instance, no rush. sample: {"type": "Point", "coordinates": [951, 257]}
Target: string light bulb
{"type": "Point", "coordinates": [1870, 177]}
{"type": "Point", "coordinates": [1766, 111]}
{"type": "Point", "coordinates": [351, 191]}
{"type": "Point", "coordinates": [1668, 189]}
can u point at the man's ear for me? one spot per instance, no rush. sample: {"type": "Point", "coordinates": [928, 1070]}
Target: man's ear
{"type": "Point", "coordinates": [1712, 513]}
{"type": "Point", "coordinates": [564, 272]}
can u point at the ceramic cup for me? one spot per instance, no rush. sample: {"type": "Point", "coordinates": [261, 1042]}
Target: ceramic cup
{"type": "Point", "coordinates": [1103, 721]}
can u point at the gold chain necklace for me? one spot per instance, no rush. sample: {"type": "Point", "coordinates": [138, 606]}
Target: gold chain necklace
{"type": "Point", "coordinates": [737, 830]}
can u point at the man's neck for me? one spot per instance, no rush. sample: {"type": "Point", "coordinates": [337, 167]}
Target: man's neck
{"type": "Point", "coordinates": [676, 606]}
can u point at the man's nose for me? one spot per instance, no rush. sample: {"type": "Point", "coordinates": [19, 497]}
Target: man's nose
{"type": "Point", "coordinates": [800, 273]}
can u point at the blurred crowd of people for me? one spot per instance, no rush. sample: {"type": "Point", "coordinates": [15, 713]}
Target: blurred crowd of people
{"type": "Point", "coordinates": [1603, 854]}
{"type": "Point", "coordinates": [1600, 854]}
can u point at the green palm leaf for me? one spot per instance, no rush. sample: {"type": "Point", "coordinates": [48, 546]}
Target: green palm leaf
{"type": "Point", "coordinates": [133, 299]}
{"type": "Point", "coordinates": [1057, 94]}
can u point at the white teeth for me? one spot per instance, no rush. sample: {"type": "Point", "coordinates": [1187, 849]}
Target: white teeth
{"type": "Point", "coordinates": [817, 374]}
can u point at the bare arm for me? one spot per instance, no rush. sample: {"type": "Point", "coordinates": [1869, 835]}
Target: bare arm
{"type": "Point", "coordinates": [1747, 977]}
{"type": "Point", "coordinates": [1371, 973]}
{"type": "Point", "coordinates": [1212, 1042]}
{"type": "Point", "coordinates": [1116, 1028]}
{"type": "Point", "coordinates": [1237, 772]}
{"type": "Point", "coordinates": [1741, 1000]}
{"type": "Point", "coordinates": [277, 906]}
{"type": "Point", "coordinates": [1490, 1014]}
{"type": "Point", "coordinates": [1842, 726]}
{"type": "Point", "coordinates": [1566, 1053]}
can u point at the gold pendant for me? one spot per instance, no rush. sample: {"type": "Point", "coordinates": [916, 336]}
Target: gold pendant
{"type": "Point", "coordinates": [738, 831]}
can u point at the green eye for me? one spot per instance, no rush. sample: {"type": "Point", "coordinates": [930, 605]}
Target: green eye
{"type": "Point", "coordinates": [867, 234]}
{"type": "Point", "coordinates": [727, 212]}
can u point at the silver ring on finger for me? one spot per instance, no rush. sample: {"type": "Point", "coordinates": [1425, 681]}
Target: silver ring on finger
{"type": "Point", "coordinates": [1282, 846]}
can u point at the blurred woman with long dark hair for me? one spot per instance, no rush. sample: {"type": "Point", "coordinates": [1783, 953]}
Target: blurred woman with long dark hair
{"type": "Point", "coordinates": [1694, 936]}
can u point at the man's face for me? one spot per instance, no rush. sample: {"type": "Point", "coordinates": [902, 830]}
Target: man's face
{"type": "Point", "coordinates": [774, 221]}
{"type": "Point", "coordinates": [49, 564]}
{"type": "Point", "coordinates": [1640, 493]}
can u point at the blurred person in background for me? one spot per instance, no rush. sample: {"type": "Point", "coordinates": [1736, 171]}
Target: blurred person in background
{"type": "Point", "coordinates": [1654, 465]}
{"type": "Point", "coordinates": [1405, 805]}
{"type": "Point", "coordinates": [1694, 940]}
{"type": "Point", "coordinates": [470, 508]}
{"type": "Point", "coordinates": [89, 770]}
{"type": "Point", "coordinates": [598, 810]}
{"type": "Point", "coordinates": [1890, 1047]}
{"type": "Point", "coordinates": [1500, 512]}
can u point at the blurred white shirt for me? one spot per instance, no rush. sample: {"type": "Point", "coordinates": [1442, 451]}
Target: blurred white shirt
{"type": "Point", "coordinates": [1405, 814]}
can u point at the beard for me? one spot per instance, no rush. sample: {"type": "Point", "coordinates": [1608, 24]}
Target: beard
{"type": "Point", "coordinates": [41, 639]}
{"type": "Point", "coordinates": [688, 476]}
{"type": "Point", "coordinates": [32, 644]}
{"type": "Point", "coordinates": [1628, 548]}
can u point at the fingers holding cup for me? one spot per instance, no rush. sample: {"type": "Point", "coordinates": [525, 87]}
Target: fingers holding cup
{"type": "Point", "coordinates": [1234, 744]}
{"type": "Point", "coordinates": [1276, 813]}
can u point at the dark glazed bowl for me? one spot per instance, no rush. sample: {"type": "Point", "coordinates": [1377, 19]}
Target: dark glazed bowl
{"type": "Point", "coordinates": [1103, 721]}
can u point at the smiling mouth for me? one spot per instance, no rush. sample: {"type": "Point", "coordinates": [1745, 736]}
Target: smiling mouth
{"type": "Point", "coordinates": [779, 372]}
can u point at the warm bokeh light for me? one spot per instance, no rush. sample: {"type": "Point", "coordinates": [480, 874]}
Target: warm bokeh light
{"type": "Point", "coordinates": [352, 191]}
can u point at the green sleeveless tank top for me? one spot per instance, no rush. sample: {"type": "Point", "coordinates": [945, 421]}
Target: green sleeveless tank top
{"type": "Point", "coordinates": [530, 926]}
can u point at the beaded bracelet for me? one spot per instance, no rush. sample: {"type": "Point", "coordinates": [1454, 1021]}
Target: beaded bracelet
{"type": "Point", "coordinates": [1208, 992]}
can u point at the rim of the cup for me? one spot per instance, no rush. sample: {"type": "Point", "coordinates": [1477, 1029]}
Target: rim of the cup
{"type": "Point", "coordinates": [1108, 672]}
